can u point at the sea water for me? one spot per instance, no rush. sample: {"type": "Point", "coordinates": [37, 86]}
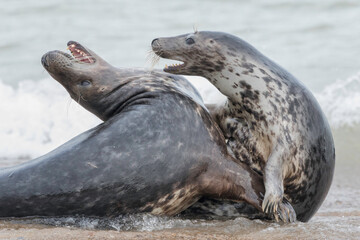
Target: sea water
{"type": "Point", "coordinates": [317, 41]}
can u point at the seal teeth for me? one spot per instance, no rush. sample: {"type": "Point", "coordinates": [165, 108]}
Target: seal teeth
{"type": "Point", "coordinates": [79, 54]}
{"type": "Point", "coordinates": [174, 65]}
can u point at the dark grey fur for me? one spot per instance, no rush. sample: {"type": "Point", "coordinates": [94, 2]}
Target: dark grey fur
{"type": "Point", "coordinates": [158, 150]}
{"type": "Point", "coordinates": [270, 120]}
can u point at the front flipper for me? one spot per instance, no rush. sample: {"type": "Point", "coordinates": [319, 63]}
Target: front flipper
{"type": "Point", "coordinates": [274, 203]}
{"type": "Point", "coordinates": [286, 211]}
{"type": "Point", "coordinates": [234, 181]}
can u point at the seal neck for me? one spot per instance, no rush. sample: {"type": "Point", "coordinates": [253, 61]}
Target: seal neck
{"type": "Point", "coordinates": [256, 93]}
{"type": "Point", "coordinates": [140, 87]}
{"type": "Point", "coordinates": [254, 83]}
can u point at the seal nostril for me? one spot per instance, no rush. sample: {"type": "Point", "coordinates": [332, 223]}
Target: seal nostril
{"type": "Point", "coordinates": [44, 61]}
{"type": "Point", "coordinates": [154, 41]}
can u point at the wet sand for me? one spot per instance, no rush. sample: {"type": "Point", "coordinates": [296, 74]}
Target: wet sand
{"type": "Point", "coordinates": [227, 230]}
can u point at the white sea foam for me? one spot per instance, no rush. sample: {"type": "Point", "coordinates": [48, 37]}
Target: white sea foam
{"type": "Point", "coordinates": [38, 116]}
{"type": "Point", "coordinates": [341, 101]}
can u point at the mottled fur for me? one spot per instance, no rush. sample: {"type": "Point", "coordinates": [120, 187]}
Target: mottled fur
{"type": "Point", "coordinates": [270, 120]}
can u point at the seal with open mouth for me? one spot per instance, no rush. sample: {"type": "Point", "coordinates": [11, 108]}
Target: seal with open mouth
{"type": "Point", "coordinates": [158, 150]}
{"type": "Point", "coordinates": [270, 120]}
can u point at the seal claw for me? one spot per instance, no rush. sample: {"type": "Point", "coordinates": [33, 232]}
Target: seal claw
{"type": "Point", "coordinates": [265, 206]}
{"type": "Point", "coordinates": [278, 208]}
{"type": "Point", "coordinates": [286, 212]}
{"type": "Point", "coordinates": [269, 200]}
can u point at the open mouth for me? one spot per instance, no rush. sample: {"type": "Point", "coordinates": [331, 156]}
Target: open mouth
{"type": "Point", "coordinates": [158, 51]}
{"type": "Point", "coordinates": [80, 53]}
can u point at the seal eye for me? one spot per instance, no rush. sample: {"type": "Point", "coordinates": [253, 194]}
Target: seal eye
{"type": "Point", "coordinates": [85, 83]}
{"type": "Point", "coordinates": [189, 41]}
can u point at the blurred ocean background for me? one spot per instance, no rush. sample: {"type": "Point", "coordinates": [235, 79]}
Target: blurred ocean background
{"type": "Point", "coordinates": [317, 41]}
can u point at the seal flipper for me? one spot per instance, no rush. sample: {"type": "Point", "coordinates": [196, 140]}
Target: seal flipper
{"type": "Point", "coordinates": [234, 181]}
{"type": "Point", "coordinates": [274, 203]}
{"type": "Point", "coordinates": [207, 208]}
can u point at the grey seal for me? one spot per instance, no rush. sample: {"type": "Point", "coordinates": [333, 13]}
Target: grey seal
{"type": "Point", "coordinates": [157, 151]}
{"type": "Point", "coordinates": [271, 121]}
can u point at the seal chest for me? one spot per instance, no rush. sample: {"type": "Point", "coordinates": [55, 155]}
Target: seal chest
{"type": "Point", "coordinates": [271, 121]}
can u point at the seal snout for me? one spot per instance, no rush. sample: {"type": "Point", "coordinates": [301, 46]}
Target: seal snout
{"type": "Point", "coordinates": [44, 60]}
{"type": "Point", "coordinates": [165, 53]}
{"type": "Point", "coordinates": [50, 57]}
{"type": "Point", "coordinates": [156, 47]}
{"type": "Point", "coordinates": [155, 42]}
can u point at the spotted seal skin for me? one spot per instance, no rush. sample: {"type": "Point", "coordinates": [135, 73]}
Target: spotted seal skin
{"type": "Point", "coordinates": [158, 150]}
{"type": "Point", "coordinates": [270, 120]}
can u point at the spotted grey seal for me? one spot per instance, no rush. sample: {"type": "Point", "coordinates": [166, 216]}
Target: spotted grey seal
{"type": "Point", "coordinates": [271, 121]}
{"type": "Point", "coordinates": [158, 150]}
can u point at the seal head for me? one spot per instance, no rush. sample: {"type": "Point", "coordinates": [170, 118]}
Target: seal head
{"type": "Point", "coordinates": [87, 77]}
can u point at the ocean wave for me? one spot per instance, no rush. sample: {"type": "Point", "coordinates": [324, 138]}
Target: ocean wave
{"type": "Point", "coordinates": [38, 116]}
{"type": "Point", "coordinates": [340, 101]}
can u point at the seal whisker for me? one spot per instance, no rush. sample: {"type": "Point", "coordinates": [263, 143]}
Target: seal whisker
{"type": "Point", "coordinates": [195, 28]}
{"type": "Point", "coordinates": [83, 98]}
{"type": "Point", "coordinates": [68, 106]}
{"type": "Point", "coordinates": [152, 58]}
{"type": "Point", "coordinates": [79, 96]}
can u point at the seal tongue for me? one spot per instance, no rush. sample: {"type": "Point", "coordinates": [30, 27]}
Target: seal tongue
{"type": "Point", "coordinates": [80, 53]}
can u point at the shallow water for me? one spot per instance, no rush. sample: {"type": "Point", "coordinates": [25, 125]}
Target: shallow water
{"type": "Point", "coordinates": [317, 41]}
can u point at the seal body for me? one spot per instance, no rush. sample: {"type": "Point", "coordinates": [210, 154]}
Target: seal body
{"type": "Point", "coordinates": [158, 150]}
{"type": "Point", "coordinates": [270, 120]}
